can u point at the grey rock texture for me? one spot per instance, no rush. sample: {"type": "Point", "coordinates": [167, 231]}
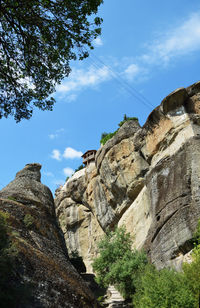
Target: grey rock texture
{"type": "Point", "coordinates": [127, 130]}
{"type": "Point", "coordinates": [146, 178]}
{"type": "Point", "coordinates": [175, 203]}
{"type": "Point", "coordinates": [42, 258]}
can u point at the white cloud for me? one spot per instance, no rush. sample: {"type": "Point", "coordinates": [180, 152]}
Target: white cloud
{"type": "Point", "coordinates": [170, 45]}
{"type": "Point", "coordinates": [98, 42]}
{"type": "Point", "coordinates": [182, 40]}
{"type": "Point", "coordinates": [68, 171]}
{"type": "Point", "coordinates": [56, 154]}
{"type": "Point", "coordinates": [57, 133]}
{"type": "Point", "coordinates": [72, 153]}
{"type": "Point", "coordinates": [60, 130]}
{"type": "Point", "coordinates": [131, 71]}
{"type": "Point", "coordinates": [81, 78]}
{"type": "Point", "coordinates": [71, 97]}
{"type": "Point", "coordinates": [53, 136]}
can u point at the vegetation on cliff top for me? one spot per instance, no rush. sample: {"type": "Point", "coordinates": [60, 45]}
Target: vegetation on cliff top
{"type": "Point", "coordinates": [77, 169]}
{"type": "Point", "coordinates": [106, 136]}
{"type": "Point", "coordinates": [120, 265]}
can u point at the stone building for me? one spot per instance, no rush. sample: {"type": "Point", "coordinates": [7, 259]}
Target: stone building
{"type": "Point", "coordinates": [89, 157]}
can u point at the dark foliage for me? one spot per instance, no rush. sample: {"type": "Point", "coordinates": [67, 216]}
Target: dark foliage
{"type": "Point", "coordinates": [79, 168]}
{"type": "Point", "coordinates": [118, 264]}
{"type": "Point", "coordinates": [38, 39]}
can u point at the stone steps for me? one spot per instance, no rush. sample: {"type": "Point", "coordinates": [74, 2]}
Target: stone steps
{"type": "Point", "coordinates": [114, 299]}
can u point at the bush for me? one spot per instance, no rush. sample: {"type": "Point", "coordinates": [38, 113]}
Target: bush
{"type": "Point", "coordinates": [11, 198]}
{"type": "Point", "coordinates": [127, 119]}
{"type": "Point", "coordinates": [192, 270]}
{"type": "Point", "coordinates": [28, 220]}
{"type": "Point", "coordinates": [120, 265]}
{"type": "Point", "coordinates": [167, 288]}
{"type": "Point", "coordinates": [106, 136]}
{"type": "Point", "coordinates": [79, 168]}
{"type": "Point", "coordinates": [117, 263]}
{"type": "Point", "coordinates": [164, 289]}
{"type": "Point", "coordinates": [103, 135]}
{"type": "Point", "coordinates": [196, 236]}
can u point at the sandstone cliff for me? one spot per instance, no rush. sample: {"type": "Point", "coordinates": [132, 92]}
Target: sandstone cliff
{"type": "Point", "coordinates": [42, 258]}
{"type": "Point", "coordinates": [146, 178]}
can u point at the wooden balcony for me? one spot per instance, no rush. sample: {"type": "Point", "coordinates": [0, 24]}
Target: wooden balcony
{"type": "Point", "coordinates": [89, 156]}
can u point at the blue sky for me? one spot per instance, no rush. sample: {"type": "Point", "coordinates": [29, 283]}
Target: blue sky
{"type": "Point", "coordinates": [147, 49]}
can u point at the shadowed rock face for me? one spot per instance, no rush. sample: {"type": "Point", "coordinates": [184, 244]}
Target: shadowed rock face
{"type": "Point", "coordinates": [175, 204]}
{"type": "Point", "coordinates": [146, 178]}
{"type": "Point", "coordinates": [42, 259]}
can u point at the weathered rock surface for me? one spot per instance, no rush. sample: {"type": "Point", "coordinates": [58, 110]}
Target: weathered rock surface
{"type": "Point", "coordinates": [42, 256]}
{"type": "Point", "coordinates": [77, 218]}
{"type": "Point", "coordinates": [146, 178]}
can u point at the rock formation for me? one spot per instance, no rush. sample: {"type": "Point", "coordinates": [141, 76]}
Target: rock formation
{"type": "Point", "coordinates": [146, 178]}
{"type": "Point", "coordinates": [42, 258]}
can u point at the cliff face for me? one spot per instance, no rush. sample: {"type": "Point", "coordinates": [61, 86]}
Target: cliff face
{"type": "Point", "coordinates": [42, 258]}
{"type": "Point", "coordinates": [146, 178]}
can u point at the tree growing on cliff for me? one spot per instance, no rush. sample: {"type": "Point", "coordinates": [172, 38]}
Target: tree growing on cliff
{"type": "Point", "coordinates": [167, 288]}
{"type": "Point", "coordinates": [118, 263]}
{"type": "Point", "coordinates": [38, 39]}
{"type": "Point", "coordinates": [192, 270]}
{"type": "Point", "coordinates": [135, 278]}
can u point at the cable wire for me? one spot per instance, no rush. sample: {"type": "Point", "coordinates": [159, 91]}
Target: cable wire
{"type": "Point", "coordinates": [96, 62]}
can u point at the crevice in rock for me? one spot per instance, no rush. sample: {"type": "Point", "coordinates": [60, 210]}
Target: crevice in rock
{"type": "Point", "coordinates": [183, 249]}
{"type": "Point", "coordinates": [181, 196]}
{"type": "Point", "coordinates": [162, 225]}
{"type": "Point", "coordinates": [142, 155]}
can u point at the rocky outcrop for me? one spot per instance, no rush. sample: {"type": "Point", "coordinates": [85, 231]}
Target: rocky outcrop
{"type": "Point", "coordinates": [76, 216]}
{"type": "Point", "coordinates": [146, 178]}
{"type": "Point", "coordinates": [42, 258]}
{"type": "Point", "coordinates": [175, 203]}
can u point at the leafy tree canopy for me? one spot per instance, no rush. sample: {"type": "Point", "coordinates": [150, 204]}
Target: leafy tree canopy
{"type": "Point", "coordinates": [135, 278]}
{"type": "Point", "coordinates": [38, 38]}
{"type": "Point", "coordinates": [118, 263]}
{"type": "Point", "coordinates": [165, 289]}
